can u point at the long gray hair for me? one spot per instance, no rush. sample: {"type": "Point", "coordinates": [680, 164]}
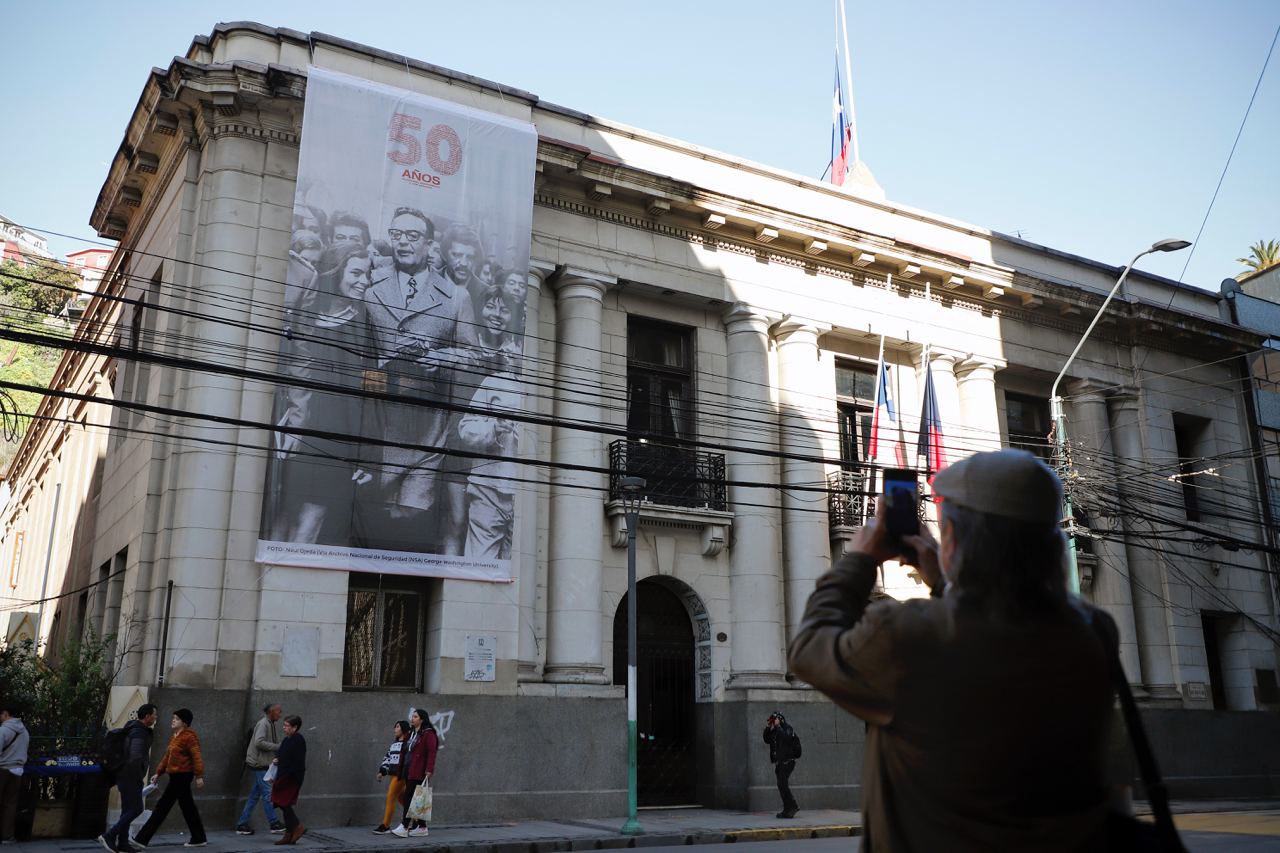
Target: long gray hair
{"type": "Point", "coordinates": [1008, 569]}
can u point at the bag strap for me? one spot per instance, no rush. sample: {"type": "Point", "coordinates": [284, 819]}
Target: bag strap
{"type": "Point", "coordinates": [1157, 791]}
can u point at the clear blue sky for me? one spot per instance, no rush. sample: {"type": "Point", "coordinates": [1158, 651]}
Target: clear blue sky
{"type": "Point", "coordinates": [1090, 126]}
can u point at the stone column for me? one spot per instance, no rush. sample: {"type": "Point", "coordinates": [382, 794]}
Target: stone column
{"type": "Point", "coordinates": [979, 413]}
{"type": "Point", "coordinates": [531, 657]}
{"type": "Point", "coordinates": [805, 534]}
{"type": "Point", "coordinates": [757, 639]}
{"type": "Point", "coordinates": [574, 642]}
{"type": "Point", "coordinates": [1146, 575]}
{"type": "Point", "coordinates": [1089, 434]}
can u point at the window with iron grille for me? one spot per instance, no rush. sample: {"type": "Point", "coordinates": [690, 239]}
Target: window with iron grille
{"type": "Point", "coordinates": [385, 622]}
{"type": "Point", "coordinates": [1027, 420]}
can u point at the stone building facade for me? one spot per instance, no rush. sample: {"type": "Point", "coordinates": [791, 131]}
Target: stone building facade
{"type": "Point", "coordinates": [756, 302]}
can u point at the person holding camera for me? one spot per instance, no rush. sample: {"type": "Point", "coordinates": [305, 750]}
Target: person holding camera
{"type": "Point", "coordinates": [988, 703]}
{"type": "Point", "coordinates": [784, 749]}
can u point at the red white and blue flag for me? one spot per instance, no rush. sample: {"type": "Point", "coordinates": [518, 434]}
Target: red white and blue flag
{"type": "Point", "coordinates": [886, 444]}
{"type": "Point", "coordinates": [929, 446]}
{"type": "Point", "coordinates": [841, 133]}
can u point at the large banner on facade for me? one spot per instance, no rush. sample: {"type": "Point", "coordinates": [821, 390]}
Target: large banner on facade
{"type": "Point", "coordinates": [407, 277]}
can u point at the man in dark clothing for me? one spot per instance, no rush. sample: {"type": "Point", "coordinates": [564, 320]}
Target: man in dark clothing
{"type": "Point", "coordinates": [988, 704]}
{"type": "Point", "coordinates": [130, 778]}
{"type": "Point", "coordinates": [782, 754]}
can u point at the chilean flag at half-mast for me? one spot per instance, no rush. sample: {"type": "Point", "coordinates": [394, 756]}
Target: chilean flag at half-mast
{"type": "Point", "coordinates": [841, 133]}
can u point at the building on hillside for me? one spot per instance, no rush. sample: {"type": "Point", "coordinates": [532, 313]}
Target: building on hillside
{"type": "Point", "coordinates": [91, 264]}
{"type": "Point", "coordinates": [21, 245]}
{"type": "Point", "coordinates": [710, 324]}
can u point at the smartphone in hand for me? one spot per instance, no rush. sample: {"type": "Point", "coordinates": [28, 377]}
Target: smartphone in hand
{"type": "Point", "coordinates": [902, 507]}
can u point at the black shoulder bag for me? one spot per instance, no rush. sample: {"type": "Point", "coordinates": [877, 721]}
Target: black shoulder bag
{"type": "Point", "coordinates": [1125, 832]}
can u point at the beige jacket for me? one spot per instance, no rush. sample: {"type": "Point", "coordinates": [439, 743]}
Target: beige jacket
{"type": "Point", "coordinates": [980, 737]}
{"type": "Point", "coordinates": [262, 744]}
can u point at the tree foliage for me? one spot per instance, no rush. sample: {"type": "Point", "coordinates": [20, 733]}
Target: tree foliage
{"type": "Point", "coordinates": [31, 297]}
{"type": "Point", "coordinates": [41, 288]}
{"type": "Point", "coordinates": [65, 694]}
{"type": "Point", "coordinates": [1262, 255]}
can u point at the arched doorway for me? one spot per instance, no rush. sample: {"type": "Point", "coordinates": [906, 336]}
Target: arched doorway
{"type": "Point", "coordinates": [667, 769]}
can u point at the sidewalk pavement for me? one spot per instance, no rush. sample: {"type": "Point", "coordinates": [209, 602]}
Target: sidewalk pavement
{"type": "Point", "coordinates": [663, 827]}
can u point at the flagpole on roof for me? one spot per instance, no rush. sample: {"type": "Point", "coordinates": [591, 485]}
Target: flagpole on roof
{"type": "Point", "coordinates": [848, 80]}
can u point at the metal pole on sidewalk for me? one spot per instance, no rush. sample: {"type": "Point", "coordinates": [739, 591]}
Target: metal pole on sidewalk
{"type": "Point", "coordinates": [631, 496]}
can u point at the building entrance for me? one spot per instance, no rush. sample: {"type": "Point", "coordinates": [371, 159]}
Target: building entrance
{"type": "Point", "coordinates": [667, 765]}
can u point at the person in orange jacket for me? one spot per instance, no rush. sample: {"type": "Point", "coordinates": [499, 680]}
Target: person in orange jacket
{"type": "Point", "coordinates": [184, 764]}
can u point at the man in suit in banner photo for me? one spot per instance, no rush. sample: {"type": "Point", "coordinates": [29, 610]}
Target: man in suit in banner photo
{"type": "Point", "coordinates": [423, 330]}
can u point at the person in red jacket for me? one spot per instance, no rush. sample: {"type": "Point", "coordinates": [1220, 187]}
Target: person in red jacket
{"type": "Point", "coordinates": [417, 764]}
{"type": "Point", "coordinates": [184, 764]}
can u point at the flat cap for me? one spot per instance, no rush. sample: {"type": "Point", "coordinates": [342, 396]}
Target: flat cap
{"type": "Point", "coordinates": [1009, 483]}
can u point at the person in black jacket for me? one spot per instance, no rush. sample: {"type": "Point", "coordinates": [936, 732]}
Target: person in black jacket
{"type": "Point", "coordinates": [291, 763]}
{"type": "Point", "coordinates": [130, 778]}
{"type": "Point", "coordinates": [783, 753]}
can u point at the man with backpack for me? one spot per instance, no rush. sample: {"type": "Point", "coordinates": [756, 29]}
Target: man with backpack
{"type": "Point", "coordinates": [264, 740]}
{"type": "Point", "coordinates": [784, 749]}
{"type": "Point", "coordinates": [124, 759]}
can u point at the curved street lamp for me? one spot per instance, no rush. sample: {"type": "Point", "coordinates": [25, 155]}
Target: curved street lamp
{"type": "Point", "coordinates": [1060, 418]}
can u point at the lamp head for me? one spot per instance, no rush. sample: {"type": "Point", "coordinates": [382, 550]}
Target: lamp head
{"type": "Point", "coordinates": [1170, 245]}
{"type": "Point", "coordinates": [632, 486]}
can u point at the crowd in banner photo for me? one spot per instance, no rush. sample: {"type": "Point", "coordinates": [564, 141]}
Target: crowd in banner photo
{"type": "Point", "coordinates": [407, 275]}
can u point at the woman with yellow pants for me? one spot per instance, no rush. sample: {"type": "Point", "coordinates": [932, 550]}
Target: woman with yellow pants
{"type": "Point", "coordinates": [390, 767]}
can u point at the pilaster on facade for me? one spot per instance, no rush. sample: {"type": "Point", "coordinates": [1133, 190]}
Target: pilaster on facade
{"type": "Point", "coordinates": [758, 650]}
{"type": "Point", "coordinates": [575, 646]}
{"type": "Point", "coordinates": [979, 409]}
{"type": "Point", "coordinates": [1146, 570]}
{"type": "Point", "coordinates": [805, 534]}
{"type": "Point", "coordinates": [532, 572]}
{"type": "Point", "coordinates": [1098, 552]}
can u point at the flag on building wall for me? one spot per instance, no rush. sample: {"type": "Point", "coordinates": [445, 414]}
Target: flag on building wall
{"type": "Point", "coordinates": [886, 444]}
{"type": "Point", "coordinates": [929, 446]}
{"type": "Point", "coordinates": [841, 133]}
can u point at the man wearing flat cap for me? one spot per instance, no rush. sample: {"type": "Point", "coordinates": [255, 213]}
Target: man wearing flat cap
{"type": "Point", "coordinates": [987, 703]}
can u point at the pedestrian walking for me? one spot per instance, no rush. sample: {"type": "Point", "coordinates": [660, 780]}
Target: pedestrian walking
{"type": "Point", "coordinates": [183, 764]}
{"type": "Point", "coordinates": [291, 769]}
{"type": "Point", "coordinates": [417, 764]}
{"type": "Point", "coordinates": [263, 742]}
{"type": "Point", "coordinates": [390, 769]}
{"type": "Point", "coordinates": [14, 739]}
{"type": "Point", "coordinates": [988, 704]}
{"type": "Point", "coordinates": [130, 777]}
{"type": "Point", "coordinates": [784, 749]}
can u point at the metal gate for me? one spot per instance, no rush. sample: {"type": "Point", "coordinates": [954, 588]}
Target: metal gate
{"type": "Point", "coordinates": [667, 768]}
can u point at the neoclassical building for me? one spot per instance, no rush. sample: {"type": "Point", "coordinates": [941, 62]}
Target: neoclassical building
{"type": "Point", "coordinates": [710, 324]}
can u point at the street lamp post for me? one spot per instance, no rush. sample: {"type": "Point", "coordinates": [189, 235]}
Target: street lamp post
{"type": "Point", "coordinates": [1060, 418]}
{"type": "Point", "coordinates": [632, 492]}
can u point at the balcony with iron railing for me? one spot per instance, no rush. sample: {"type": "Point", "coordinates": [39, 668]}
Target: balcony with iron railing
{"type": "Point", "coordinates": [851, 500]}
{"type": "Point", "coordinates": [684, 488]}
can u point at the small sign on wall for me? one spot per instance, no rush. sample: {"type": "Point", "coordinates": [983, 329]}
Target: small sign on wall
{"type": "Point", "coordinates": [300, 655]}
{"type": "Point", "coordinates": [1195, 690]}
{"type": "Point", "coordinates": [481, 659]}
